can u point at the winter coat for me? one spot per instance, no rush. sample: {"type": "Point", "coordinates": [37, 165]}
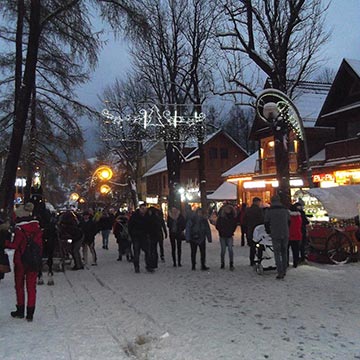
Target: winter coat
{"type": "Point", "coordinates": [295, 232]}
{"type": "Point", "coordinates": [198, 230]}
{"type": "Point", "coordinates": [89, 229]}
{"type": "Point", "coordinates": [176, 225]}
{"type": "Point", "coordinates": [30, 226]}
{"type": "Point", "coordinates": [157, 227]}
{"type": "Point", "coordinates": [304, 222]}
{"type": "Point", "coordinates": [121, 230]}
{"type": "Point", "coordinates": [254, 216]}
{"type": "Point", "coordinates": [138, 226]}
{"type": "Point", "coordinates": [277, 217]}
{"type": "Point", "coordinates": [106, 222]}
{"type": "Point", "coordinates": [226, 224]}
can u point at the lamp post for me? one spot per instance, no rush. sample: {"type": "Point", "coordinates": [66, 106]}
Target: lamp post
{"type": "Point", "coordinates": [280, 132]}
{"type": "Point", "coordinates": [102, 174]}
{"type": "Point", "coordinates": [279, 112]}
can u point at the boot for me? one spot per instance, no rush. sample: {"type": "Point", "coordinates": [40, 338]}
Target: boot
{"type": "Point", "coordinates": [19, 313]}
{"type": "Point", "coordinates": [232, 266]}
{"type": "Point", "coordinates": [40, 280]}
{"type": "Point", "coordinates": [50, 280]}
{"type": "Point", "coordinates": [30, 313]}
{"type": "Point", "coordinates": [222, 265]}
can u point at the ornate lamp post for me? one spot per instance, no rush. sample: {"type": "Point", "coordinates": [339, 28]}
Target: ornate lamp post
{"type": "Point", "coordinates": [278, 111]}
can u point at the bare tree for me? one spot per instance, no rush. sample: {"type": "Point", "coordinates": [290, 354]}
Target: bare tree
{"type": "Point", "coordinates": [327, 75]}
{"type": "Point", "coordinates": [239, 124]}
{"type": "Point", "coordinates": [282, 39]}
{"type": "Point", "coordinates": [125, 141]}
{"type": "Point", "coordinates": [52, 25]}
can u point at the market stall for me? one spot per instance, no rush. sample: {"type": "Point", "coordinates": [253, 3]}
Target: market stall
{"type": "Point", "coordinates": [332, 233]}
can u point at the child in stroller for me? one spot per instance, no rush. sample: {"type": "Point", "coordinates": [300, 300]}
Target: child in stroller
{"type": "Point", "coordinates": [264, 249]}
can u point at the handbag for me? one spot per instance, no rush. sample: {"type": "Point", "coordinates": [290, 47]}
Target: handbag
{"type": "Point", "coordinates": [4, 263]}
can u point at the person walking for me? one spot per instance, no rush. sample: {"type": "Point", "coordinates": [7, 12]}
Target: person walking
{"type": "Point", "coordinates": [197, 231]}
{"type": "Point", "coordinates": [68, 228]}
{"type": "Point", "coordinates": [157, 231]}
{"type": "Point", "coordinates": [241, 222]}
{"type": "Point", "coordinates": [105, 225]}
{"type": "Point", "coordinates": [139, 233]}
{"type": "Point", "coordinates": [5, 234]}
{"type": "Point", "coordinates": [89, 229]}
{"type": "Point", "coordinates": [26, 227]}
{"type": "Point", "coordinates": [277, 220]}
{"type": "Point", "coordinates": [295, 234]}
{"type": "Point", "coordinates": [176, 224]}
{"type": "Point", "coordinates": [254, 216]}
{"type": "Point", "coordinates": [121, 233]}
{"type": "Point", "coordinates": [226, 225]}
{"type": "Point", "coordinates": [304, 222]}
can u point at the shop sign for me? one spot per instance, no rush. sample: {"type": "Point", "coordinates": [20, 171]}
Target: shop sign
{"type": "Point", "coordinates": [323, 177]}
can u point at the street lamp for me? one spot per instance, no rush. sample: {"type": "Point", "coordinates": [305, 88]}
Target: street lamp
{"type": "Point", "coordinates": [105, 189]}
{"type": "Point", "coordinates": [103, 173]}
{"type": "Point", "coordinates": [74, 196]}
{"type": "Point", "coordinates": [279, 112]}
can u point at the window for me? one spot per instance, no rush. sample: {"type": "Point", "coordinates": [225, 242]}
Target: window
{"type": "Point", "coordinates": [213, 153]}
{"type": "Point", "coordinates": [224, 153]}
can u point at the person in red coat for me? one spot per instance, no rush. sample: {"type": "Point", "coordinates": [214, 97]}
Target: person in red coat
{"type": "Point", "coordinates": [24, 222]}
{"type": "Point", "coordinates": [295, 233]}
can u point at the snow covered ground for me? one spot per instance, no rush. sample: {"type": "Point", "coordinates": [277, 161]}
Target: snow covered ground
{"type": "Point", "coordinates": [109, 312]}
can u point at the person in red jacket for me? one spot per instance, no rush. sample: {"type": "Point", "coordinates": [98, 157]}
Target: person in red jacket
{"type": "Point", "coordinates": [24, 222]}
{"type": "Point", "coordinates": [295, 233]}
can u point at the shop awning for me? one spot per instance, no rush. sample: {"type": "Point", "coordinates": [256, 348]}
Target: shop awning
{"type": "Point", "coordinates": [226, 191]}
{"type": "Point", "coordinates": [340, 202]}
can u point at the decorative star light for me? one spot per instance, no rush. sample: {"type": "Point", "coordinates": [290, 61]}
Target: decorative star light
{"type": "Point", "coordinates": [154, 124]}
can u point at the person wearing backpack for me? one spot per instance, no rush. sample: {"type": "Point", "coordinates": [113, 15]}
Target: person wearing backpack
{"type": "Point", "coordinates": [28, 235]}
{"type": "Point", "coordinates": [121, 233]}
{"type": "Point", "coordinates": [197, 231]}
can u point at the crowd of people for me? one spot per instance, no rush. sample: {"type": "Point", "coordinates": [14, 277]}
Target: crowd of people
{"type": "Point", "coordinates": [144, 230]}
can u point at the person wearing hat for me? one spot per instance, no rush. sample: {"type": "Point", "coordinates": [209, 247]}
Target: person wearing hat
{"type": "Point", "coordinates": [254, 216]}
{"type": "Point", "coordinates": [25, 226]}
{"type": "Point", "coordinates": [277, 220]}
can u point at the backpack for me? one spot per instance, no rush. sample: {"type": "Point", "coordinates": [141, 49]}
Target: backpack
{"type": "Point", "coordinates": [195, 229]}
{"type": "Point", "coordinates": [31, 257]}
{"type": "Point", "coordinates": [123, 232]}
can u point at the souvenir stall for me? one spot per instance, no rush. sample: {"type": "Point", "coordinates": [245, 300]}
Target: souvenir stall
{"type": "Point", "coordinates": [334, 216]}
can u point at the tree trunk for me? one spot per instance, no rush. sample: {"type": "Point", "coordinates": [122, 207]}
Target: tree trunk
{"type": "Point", "coordinates": [173, 164]}
{"type": "Point", "coordinates": [7, 188]}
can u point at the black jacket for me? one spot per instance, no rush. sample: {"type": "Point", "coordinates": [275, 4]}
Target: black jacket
{"type": "Point", "coordinates": [226, 225]}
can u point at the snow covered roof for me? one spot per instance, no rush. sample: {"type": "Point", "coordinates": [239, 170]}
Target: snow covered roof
{"type": "Point", "coordinates": [309, 99]}
{"type": "Point", "coordinates": [246, 166]}
{"type": "Point", "coordinates": [355, 65]}
{"type": "Point", "coordinates": [320, 156]}
{"type": "Point", "coordinates": [209, 137]}
{"type": "Point", "coordinates": [333, 200]}
{"type": "Point", "coordinates": [160, 166]}
{"type": "Point", "coordinates": [226, 191]}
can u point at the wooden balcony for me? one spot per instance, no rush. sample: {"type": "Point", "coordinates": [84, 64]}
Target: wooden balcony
{"type": "Point", "coordinates": [268, 165]}
{"type": "Point", "coordinates": [342, 149]}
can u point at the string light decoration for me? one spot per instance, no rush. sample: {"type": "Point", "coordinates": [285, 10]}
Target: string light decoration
{"type": "Point", "coordinates": [153, 125]}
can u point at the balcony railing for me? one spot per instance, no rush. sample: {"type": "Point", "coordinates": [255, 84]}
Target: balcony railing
{"type": "Point", "coordinates": [342, 149]}
{"type": "Point", "coordinates": [268, 165]}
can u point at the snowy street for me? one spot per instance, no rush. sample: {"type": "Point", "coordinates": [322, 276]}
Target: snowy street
{"type": "Point", "coordinates": [109, 312]}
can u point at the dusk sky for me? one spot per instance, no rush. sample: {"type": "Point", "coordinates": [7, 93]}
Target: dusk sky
{"type": "Point", "coordinates": [342, 18]}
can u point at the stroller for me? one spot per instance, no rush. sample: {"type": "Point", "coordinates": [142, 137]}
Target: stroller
{"type": "Point", "coordinates": [264, 250]}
